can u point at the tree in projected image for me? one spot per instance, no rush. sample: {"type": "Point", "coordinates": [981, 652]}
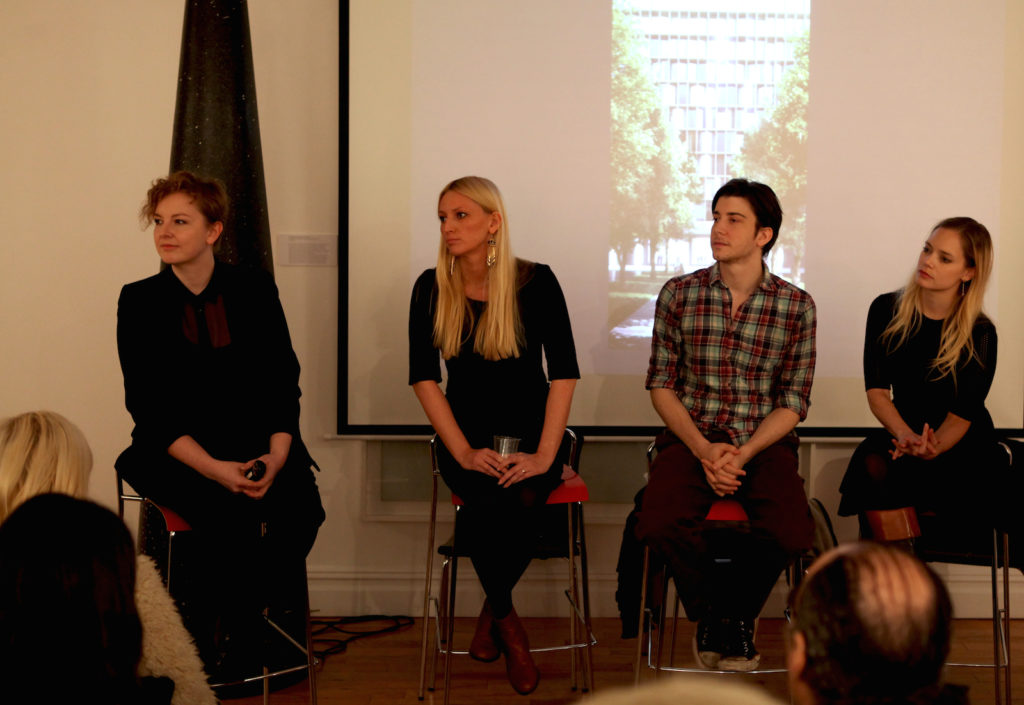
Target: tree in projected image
{"type": "Point", "coordinates": [654, 179]}
{"type": "Point", "coordinates": [776, 154]}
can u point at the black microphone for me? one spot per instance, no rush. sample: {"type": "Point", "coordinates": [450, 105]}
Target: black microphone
{"type": "Point", "coordinates": [257, 471]}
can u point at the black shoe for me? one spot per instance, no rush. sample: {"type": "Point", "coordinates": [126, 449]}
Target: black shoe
{"type": "Point", "coordinates": [707, 643]}
{"type": "Point", "coordinates": [739, 653]}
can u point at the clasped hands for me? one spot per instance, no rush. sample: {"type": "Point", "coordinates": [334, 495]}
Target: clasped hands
{"type": "Point", "coordinates": [723, 467]}
{"type": "Point", "coordinates": [231, 475]}
{"type": "Point", "coordinates": [507, 469]}
{"type": "Point", "coordinates": [924, 445]}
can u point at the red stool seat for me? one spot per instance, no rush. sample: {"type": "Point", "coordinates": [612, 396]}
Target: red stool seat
{"type": "Point", "coordinates": [726, 510]}
{"type": "Point", "coordinates": [572, 490]}
{"type": "Point", "coordinates": [172, 519]}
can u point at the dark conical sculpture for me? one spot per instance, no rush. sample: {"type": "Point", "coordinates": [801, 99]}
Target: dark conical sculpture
{"type": "Point", "coordinates": [216, 123]}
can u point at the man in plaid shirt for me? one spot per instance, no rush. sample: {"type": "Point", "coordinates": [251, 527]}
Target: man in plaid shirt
{"type": "Point", "coordinates": [732, 360]}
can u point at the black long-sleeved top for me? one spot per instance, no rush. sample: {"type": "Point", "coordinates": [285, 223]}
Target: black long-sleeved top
{"type": "Point", "coordinates": [506, 397]}
{"type": "Point", "coordinates": [919, 394]}
{"type": "Point", "coordinates": [217, 366]}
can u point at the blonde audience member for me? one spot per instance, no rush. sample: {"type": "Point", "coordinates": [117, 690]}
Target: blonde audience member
{"type": "Point", "coordinates": [42, 452]}
{"type": "Point", "coordinates": [686, 690]}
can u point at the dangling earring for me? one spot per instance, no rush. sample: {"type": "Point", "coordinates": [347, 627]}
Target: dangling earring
{"type": "Point", "coordinates": [492, 251]}
{"type": "Point", "coordinates": [451, 267]}
{"type": "Point", "coordinates": [963, 287]}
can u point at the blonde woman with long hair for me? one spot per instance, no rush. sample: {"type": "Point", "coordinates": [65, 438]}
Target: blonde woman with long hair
{"type": "Point", "coordinates": [929, 359]}
{"type": "Point", "coordinates": [493, 318]}
{"type": "Point", "coordinates": [42, 452]}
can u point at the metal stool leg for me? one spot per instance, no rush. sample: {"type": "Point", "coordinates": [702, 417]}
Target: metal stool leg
{"type": "Point", "coordinates": [1006, 615]}
{"type": "Point", "coordinates": [643, 627]}
{"type": "Point", "coordinates": [997, 658]}
{"type": "Point", "coordinates": [573, 595]}
{"type": "Point", "coordinates": [450, 628]}
{"type": "Point", "coordinates": [661, 622]}
{"type": "Point", "coordinates": [266, 671]}
{"type": "Point", "coordinates": [1001, 617]}
{"type": "Point", "coordinates": [440, 626]}
{"type": "Point", "coordinates": [675, 631]}
{"type": "Point", "coordinates": [311, 658]}
{"type": "Point", "coordinates": [426, 592]}
{"type": "Point", "coordinates": [588, 684]}
{"type": "Point", "coordinates": [170, 552]}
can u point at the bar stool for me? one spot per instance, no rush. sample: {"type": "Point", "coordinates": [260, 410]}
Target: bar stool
{"type": "Point", "coordinates": [932, 541]}
{"type": "Point", "coordinates": [571, 493]}
{"type": "Point", "coordinates": [155, 522]}
{"type": "Point", "coordinates": [725, 518]}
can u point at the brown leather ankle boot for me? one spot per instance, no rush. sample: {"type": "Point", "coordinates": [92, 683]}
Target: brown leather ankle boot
{"type": "Point", "coordinates": [522, 671]}
{"type": "Point", "coordinates": [483, 646]}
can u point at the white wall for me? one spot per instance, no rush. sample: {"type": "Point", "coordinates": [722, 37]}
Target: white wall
{"type": "Point", "coordinates": [88, 94]}
{"type": "Point", "coordinates": [85, 124]}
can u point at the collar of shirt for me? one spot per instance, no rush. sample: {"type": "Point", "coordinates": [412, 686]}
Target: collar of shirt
{"type": "Point", "coordinates": [767, 284]}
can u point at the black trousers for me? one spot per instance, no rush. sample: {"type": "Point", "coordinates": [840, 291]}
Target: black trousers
{"type": "Point", "coordinates": [239, 569]}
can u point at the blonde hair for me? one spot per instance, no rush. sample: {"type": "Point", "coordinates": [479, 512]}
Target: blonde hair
{"type": "Point", "coordinates": [685, 690]}
{"type": "Point", "coordinates": [41, 452]}
{"type": "Point", "coordinates": [498, 334]}
{"type": "Point", "coordinates": [956, 342]}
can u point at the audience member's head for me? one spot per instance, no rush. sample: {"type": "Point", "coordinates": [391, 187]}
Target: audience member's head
{"type": "Point", "coordinates": [870, 624]}
{"type": "Point", "coordinates": [685, 690]}
{"type": "Point", "coordinates": [41, 451]}
{"type": "Point", "coordinates": [68, 622]}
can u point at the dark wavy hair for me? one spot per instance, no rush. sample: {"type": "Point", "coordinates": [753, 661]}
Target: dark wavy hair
{"type": "Point", "coordinates": [67, 589]}
{"type": "Point", "coordinates": [763, 202]}
{"type": "Point", "coordinates": [876, 622]}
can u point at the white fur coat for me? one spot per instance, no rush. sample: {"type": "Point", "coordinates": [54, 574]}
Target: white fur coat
{"type": "Point", "coordinates": [167, 647]}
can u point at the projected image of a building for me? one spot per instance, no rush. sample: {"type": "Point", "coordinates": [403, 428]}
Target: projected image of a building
{"type": "Point", "coordinates": [701, 92]}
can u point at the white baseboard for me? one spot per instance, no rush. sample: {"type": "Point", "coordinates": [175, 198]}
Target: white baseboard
{"type": "Point", "coordinates": [541, 592]}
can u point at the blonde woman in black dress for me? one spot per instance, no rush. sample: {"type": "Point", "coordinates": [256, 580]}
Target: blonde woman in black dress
{"type": "Point", "coordinates": [492, 317]}
{"type": "Point", "coordinates": [929, 361]}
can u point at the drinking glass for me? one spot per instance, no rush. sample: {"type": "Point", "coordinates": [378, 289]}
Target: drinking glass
{"type": "Point", "coordinates": [506, 445]}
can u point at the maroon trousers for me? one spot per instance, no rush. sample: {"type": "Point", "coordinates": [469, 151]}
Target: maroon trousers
{"type": "Point", "coordinates": [671, 521]}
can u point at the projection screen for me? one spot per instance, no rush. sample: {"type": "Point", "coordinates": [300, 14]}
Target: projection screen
{"type": "Point", "coordinates": [910, 115]}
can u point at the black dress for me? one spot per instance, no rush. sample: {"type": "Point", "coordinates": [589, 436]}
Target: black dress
{"type": "Point", "coordinates": [218, 367]}
{"type": "Point", "coordinates": [951, 482]}
{"type": "Point", "coordinates": [499, 397]}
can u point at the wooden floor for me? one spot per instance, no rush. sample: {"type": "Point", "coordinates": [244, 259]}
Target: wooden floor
{"type": "Point", "coordinates": [385, 669]}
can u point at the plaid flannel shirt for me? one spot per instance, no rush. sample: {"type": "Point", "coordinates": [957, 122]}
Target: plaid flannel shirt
{"type": "Point", "coordinates": [731, 373]}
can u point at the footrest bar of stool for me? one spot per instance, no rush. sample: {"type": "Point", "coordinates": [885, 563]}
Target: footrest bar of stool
{"type": "Point", "coordinates": [263, 677]}
{"type": "Point", "coordinates": [976, 665]}
{"type": "Point", "coordinates": [563, 647]}
{"type": "Point", "coordinates": [693, 669]}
